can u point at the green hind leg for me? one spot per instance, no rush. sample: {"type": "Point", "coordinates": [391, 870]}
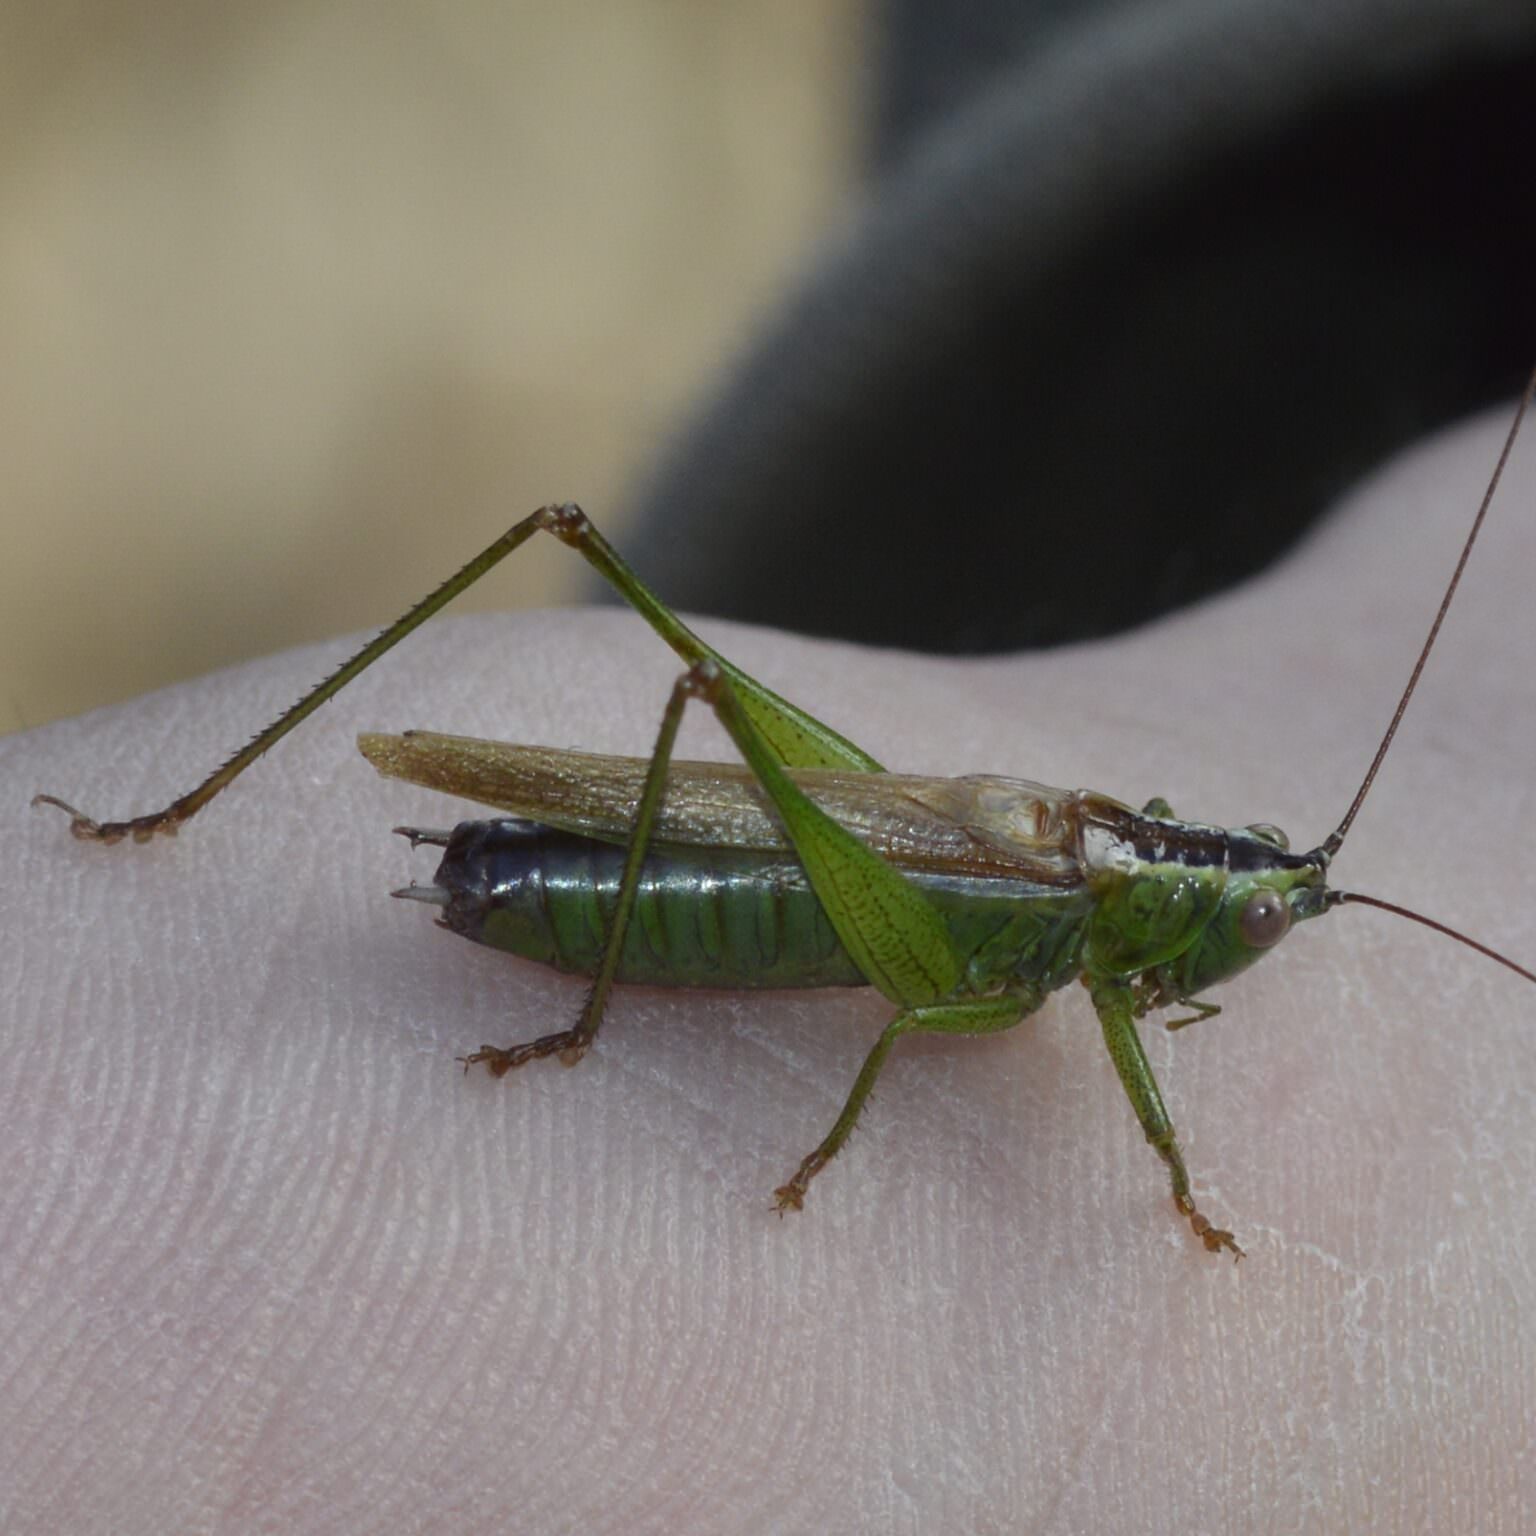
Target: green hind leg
{"type": "Point", "coordinates": [889, 928]}
{"type": "Point", "coordinates": [791, 734]}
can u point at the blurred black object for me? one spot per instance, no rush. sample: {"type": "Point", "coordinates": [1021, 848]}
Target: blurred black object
{"type": "Point", "coordinates": [1137, 289]}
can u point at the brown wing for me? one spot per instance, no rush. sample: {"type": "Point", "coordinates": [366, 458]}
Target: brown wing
{"type": "Point", "coordinates": [980, 824]}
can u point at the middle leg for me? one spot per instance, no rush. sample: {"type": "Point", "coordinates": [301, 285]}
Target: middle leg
{"type": "Point", "coordinates": [972, 1016]}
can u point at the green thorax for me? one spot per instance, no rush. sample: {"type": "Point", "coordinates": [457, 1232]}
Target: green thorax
{"type": "Point", "coordinates": [1184, 904]}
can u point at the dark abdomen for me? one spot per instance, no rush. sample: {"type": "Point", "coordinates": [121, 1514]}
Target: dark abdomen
{"type": "Point", "coordinates": [710, 918]}
{"type": "Point", "coordinates": [724, 917]}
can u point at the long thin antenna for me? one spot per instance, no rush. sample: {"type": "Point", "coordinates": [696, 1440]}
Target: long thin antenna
{"type": "Point", "coordinates": [1338, 898]}
{"type": "Point", "coordinates": [1335, 839]}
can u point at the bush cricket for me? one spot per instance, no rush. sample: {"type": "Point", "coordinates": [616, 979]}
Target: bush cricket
{"type": "Point", "coordinates": [966, 902]}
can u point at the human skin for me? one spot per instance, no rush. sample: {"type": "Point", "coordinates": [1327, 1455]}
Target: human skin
{"type": "Point", "coordinates": [269, 1260]}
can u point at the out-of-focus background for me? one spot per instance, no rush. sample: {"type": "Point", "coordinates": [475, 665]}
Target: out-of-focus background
{"type": "Point", "coordinates": [959, 329]}
{"type": "Point", "coordinates": [301, 304]}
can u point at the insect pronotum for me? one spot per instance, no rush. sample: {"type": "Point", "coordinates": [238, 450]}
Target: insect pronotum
{"type": "Point", "coordinates": [965, 901]}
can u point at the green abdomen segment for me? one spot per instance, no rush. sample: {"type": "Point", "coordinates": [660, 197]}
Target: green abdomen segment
{"type": "Point", "coordinates": [717, 917]}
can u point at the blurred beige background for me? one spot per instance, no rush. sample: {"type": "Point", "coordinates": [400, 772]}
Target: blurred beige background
{"type": "Point", "coordinates": [301, 304]}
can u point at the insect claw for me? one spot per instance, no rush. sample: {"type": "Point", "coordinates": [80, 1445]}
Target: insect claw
{"type": "Point", "coordinates": [433, 895]}
{"type": "Point", "coordinates": [788, 1198]}
{"type": "Point", "coordinates": [141, 829]}
{"type": "Point", "coordinates": [493, 1058]}
{"type": "Point", "coordinates": [81, 825]}
{"type": "Point", "coordinates": [1214, 1238]}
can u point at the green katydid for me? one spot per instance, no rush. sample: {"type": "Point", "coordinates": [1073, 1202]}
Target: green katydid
{"type": "Point", "coordinates": [966, 901]}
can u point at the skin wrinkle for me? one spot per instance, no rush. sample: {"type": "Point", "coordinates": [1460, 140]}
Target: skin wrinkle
{"type": "Point", "coordinates": [1368, 1362]}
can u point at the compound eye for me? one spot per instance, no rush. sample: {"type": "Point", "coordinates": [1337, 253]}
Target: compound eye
{"type": "Point", "coordinates": [1264, 919]}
